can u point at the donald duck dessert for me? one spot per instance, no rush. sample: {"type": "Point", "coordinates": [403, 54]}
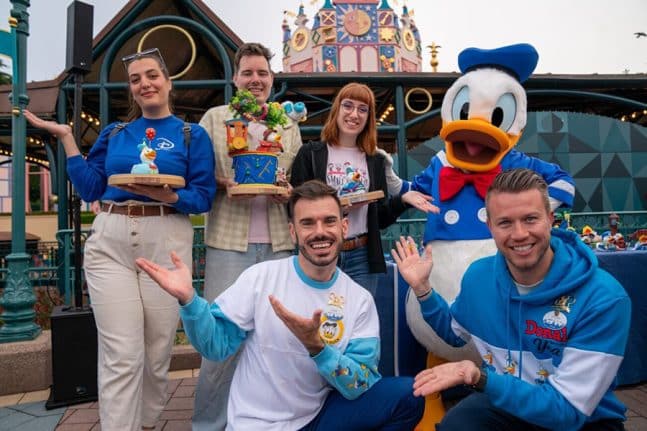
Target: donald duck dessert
{"type": "Point", "coordinates": [483, 117]}
{"type": "Point", "coordinates": [147, 155]}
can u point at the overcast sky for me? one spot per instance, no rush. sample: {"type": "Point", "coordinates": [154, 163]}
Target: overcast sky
{"type": "Point", "coordinates": [571, 36]}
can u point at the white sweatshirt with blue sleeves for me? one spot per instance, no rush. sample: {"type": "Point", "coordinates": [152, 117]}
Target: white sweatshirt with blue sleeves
{"type": "Point", "coordinates": [553, 353]}
{"type": "Point", "coordinates": [277, 384]}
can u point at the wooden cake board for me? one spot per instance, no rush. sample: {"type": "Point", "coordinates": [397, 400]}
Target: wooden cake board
{"type": "Point", "coordinates": [146, 179]}
{"type": "Point", "coordinates": [257, 189]}
{"type": "Point", "coordinates": [361, 197]}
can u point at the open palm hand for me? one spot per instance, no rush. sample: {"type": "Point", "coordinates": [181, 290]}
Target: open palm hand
{"type": "Point", "coordinates": [177, 282]}
{"type": "Point", "coordinates": [415, 269]}
{"type": "Point", "coordinates": [52, 127]}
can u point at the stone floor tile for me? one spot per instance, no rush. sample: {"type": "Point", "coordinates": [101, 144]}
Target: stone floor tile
{"type": "Point", "coordinates": [182, 425]}
{"type": "Point", "coordinates": [184, 391]}
{"type": "Point", "coordinates": [83, 416]}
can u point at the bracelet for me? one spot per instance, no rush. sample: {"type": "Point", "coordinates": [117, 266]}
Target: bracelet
{"type": "Point", "coordinates": [424, 295]}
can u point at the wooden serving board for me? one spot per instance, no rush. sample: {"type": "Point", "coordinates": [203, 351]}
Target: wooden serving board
{"type": "Point", "coordinates": [146, 179]}
{"type": "Point", "coordinates": [361, 197]}
{"type": "Point", "coordinates": [256, 189]}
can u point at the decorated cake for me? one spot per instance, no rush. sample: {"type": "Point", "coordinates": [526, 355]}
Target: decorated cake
{"type": "Point", "coordinates": [254, 142]}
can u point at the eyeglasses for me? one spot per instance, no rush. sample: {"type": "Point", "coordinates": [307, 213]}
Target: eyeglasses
{"type": "Point", "coordinates": [147, 53]}
{"type": "Point", "coordinates": [349, 107]}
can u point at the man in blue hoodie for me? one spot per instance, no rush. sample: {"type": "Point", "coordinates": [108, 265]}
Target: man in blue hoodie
{"type": "Point", "coordinates": [549, 324]}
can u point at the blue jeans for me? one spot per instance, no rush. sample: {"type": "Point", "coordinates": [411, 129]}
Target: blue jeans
{"type": "Point", "coordinates": [222, 268]}
{"type": "Point", "coordinates": [355, 264]}
{"type": "Point", "coordinates": [389, 405]}
{"type": "Point", "coordinates": [476, 412]}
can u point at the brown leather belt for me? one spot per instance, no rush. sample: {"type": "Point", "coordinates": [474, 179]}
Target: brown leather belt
{"type": "Point", "coordinates": [355, 242]}
{"type": "Point", "coordinates": [138, 210]}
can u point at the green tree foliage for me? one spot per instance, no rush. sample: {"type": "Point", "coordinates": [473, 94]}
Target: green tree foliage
{"type": "Point", "coordinates": [5, 78]}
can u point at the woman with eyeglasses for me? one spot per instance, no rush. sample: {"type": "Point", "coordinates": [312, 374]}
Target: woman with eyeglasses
{"type": "Point", "coordinates": [136, 320]}
{"type": "Point", "coordinates": [347, 158]}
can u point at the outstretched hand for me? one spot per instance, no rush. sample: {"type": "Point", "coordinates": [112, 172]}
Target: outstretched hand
{"type": "Point", "coordinates": [415, 269]}
{"type": "Point", "coordinates": [445, 376]}
{"type": "Point", "coordinates": [52, 127]}
{"type": "Point", "coordinates": [61, 131]}
{"type": "Point", "coordinates": [177, 282]}
{"type": "Point", "coordinates": [305, 329]}
{"type": "Point", "coordinates": [420, 201]}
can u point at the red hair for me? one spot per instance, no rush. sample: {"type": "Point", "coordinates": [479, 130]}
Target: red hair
{"type": "Point", "coordinates": [367, 139]}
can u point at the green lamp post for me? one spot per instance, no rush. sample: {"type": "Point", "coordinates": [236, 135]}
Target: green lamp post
{"type": "Point", "coordinates": [18, 299]}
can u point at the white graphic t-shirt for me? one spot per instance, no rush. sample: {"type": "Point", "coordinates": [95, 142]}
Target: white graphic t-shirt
{"type": "Point", "coordinates": [347, 172]}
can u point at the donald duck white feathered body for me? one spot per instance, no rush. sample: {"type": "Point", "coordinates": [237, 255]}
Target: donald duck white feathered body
{"type": "Point", "coordinates": [483, 115]}
{"type": "Point", "coordinates": [147, 156]}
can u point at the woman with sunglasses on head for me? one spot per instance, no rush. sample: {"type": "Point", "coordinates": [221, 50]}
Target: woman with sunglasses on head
{"type": "Point", "coordinates": [347, 158]}
{"type": "Point", "coordinates": [136, 320]}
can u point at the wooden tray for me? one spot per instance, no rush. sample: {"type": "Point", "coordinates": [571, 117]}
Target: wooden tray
{"type": "Point", "coordinates": [146, 179]}
{"type": "Point", "coordinates": [361, 197]}
{"type": "Point", "coordinates": [257, 189]}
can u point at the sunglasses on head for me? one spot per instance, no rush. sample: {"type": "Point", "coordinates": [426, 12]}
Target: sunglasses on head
{"type": "Point", "coordinates": [147, 53]}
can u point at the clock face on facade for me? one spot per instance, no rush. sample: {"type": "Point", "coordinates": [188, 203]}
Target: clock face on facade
{"type": "Point", "coordinates": [357, 22]}
{"type": "Point", "coordinates": [300, 39]}
{"type": "Point", "coordinates": [409, 39]}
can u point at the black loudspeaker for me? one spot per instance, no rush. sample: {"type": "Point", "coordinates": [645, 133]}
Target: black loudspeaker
{"type": "Point", "coordinates": [79, 37]}
{"type": "Point", "coordinates": [74, 357]}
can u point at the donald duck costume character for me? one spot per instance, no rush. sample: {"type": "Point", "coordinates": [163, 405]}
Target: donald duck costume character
{"type": "Point", "coordinates": [483, 117]}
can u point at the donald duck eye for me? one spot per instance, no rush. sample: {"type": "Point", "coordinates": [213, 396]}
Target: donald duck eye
{"type": "Point", "coordinates": [461, 104]}
{"type": "Point", "coordinates": [504, 112]}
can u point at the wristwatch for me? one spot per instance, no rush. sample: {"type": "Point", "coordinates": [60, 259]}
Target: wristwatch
{"type": "Point", "coordinates": [479, 386]}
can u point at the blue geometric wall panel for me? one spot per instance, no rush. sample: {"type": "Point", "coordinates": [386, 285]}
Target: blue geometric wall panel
{"type": "Point", "coordinates": [639, 165]}
{"type": "Point", "coordinates": [616, 165]}
{"type": "Point", "coordinates": [606, 157]}
{"type": "Point", "coordinates": [638, 138]}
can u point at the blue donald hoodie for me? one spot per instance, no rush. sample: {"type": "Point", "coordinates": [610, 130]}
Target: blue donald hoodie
{"type": "Point", "coordinates": [552, 354]}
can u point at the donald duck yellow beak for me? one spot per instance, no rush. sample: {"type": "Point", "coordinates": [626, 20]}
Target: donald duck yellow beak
{"type": "Point", "coordinates": [476, 145]}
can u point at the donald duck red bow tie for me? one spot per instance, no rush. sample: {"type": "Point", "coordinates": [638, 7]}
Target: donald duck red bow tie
{"type": "Point", "coordinates": [452, 180]}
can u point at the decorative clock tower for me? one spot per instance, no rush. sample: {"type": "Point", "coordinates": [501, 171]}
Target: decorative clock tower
{"type": "Point", "coordinates": [352, 36]}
